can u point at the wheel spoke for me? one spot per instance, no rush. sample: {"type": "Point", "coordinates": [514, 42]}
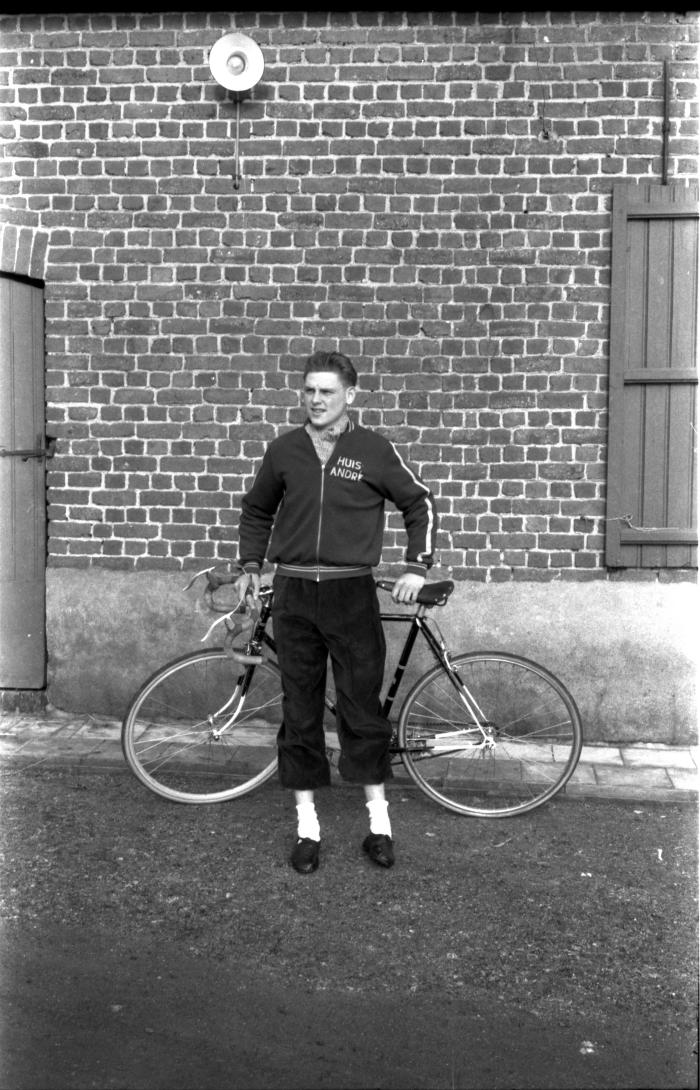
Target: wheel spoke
{"type": "Point", "coordinates": [531, 736]}
{"type": "Point", "coordinates": [170, 738]}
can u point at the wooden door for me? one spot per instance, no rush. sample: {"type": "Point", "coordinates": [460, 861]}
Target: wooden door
{"type": "Point", "coordinates": [22, 486]}
{"type": "Point", "coordinates": [652, 437]}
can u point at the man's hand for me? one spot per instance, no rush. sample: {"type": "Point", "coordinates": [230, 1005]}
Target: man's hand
{"type": "Point", "coordinates": [407, 587]}
{"type": "Point", "coordinates": [247, 581]}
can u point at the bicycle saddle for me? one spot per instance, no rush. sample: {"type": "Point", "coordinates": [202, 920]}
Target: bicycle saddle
{"type": "Point", "coordinates": [435, 594]}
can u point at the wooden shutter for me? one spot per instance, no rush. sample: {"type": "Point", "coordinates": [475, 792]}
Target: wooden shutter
{"type": "Point", "coordinates": [22, 486]}
{"type": "Point", "coordinates": [651, 498]}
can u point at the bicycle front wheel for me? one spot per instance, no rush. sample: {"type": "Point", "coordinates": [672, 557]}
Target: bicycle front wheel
{"type": "Point", "coordinates": [204, 728]}
{"type": "Point", "coordinates": [501, 741]}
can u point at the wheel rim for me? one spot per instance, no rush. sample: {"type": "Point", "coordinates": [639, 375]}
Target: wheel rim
{"type": "Point", "coordinates": [171, 736]}
{"type": "Point", "coordinates": [532, 719]}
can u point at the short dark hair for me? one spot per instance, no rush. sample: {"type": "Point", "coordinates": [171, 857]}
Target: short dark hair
{"type": "Point", "coordinates": [332, 361]}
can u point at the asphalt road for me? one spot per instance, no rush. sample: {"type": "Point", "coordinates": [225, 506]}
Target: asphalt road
{"type": "Point", "coordinates": [148, 945]}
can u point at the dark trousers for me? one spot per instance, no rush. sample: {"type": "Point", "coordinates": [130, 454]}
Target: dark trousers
{"type": "Point", "coordinates": [340, 618]}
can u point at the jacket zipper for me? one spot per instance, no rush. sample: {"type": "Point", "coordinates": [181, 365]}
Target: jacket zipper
{"type": "Point", "coordinates": [320, 520]}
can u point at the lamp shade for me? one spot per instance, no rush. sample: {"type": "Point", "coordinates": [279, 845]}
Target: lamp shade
{"type": "Point", "coordinates": [236, 62]}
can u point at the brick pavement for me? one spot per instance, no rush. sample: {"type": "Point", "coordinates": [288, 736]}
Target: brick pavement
{"type": "Point", "coordinates": [635, 772]}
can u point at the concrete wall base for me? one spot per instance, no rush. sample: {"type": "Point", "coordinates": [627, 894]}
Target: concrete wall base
{"type": "Point", "coordinates": [626, 651]}
{"type": "Point", "coordinates": [22, 701]}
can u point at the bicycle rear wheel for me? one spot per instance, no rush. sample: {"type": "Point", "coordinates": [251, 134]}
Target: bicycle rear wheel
{"type": "Point", "coordinates": [204, 728]}
{"type": "Point", "coordinates": [527, 714]}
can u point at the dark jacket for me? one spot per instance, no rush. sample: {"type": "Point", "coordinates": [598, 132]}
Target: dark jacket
{"type": "Point", "coordinates": [333, 515]}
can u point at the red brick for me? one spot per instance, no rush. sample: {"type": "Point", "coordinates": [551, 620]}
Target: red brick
{"type": "Point", "coordinates": [393, 185]}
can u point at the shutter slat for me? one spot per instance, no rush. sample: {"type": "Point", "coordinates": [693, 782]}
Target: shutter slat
{"type": "Point", "coordinates": [660, 374]}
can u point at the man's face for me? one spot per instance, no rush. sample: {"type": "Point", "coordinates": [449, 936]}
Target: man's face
{"type": "Point", "coordinates": [326, 398]}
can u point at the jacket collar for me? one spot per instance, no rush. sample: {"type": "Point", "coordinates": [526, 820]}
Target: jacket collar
{"type": "Point", "coordinates": [333, 433]}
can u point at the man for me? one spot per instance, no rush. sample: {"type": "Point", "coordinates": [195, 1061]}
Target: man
{"type": "Point", "coordinates": [316, 509]}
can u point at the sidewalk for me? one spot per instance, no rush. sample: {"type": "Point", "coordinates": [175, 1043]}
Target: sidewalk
{"type": "Point", "coordinates": [648, 772]}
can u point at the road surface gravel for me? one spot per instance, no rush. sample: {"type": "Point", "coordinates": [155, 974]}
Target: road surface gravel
{"type": "Point", "coordinates": [147, 944]}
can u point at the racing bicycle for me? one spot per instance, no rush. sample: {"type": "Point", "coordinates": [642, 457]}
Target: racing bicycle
{"type": "Point", "coordinates": [484, 733]}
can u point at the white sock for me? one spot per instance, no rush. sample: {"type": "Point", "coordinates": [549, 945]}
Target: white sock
{"type": "Point", "coordinates": [379, 817]}
{"type": "Point", "coordinates": [307, 821]}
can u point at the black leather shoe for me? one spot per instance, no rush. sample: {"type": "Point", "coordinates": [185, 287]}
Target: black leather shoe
{"type": "Point", "coordinates": [305, 855]}
{"type": "Point", "coordinates": [380, 849]}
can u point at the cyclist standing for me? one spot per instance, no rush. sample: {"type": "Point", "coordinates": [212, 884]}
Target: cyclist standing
{"type": "Point", "coordinates": [316, 510]}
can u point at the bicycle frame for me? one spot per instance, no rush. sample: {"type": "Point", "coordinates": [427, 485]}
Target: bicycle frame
{"type": "Point", "coordinates": [418, 623]}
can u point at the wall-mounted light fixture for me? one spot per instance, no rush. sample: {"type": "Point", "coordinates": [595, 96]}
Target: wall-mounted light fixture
{"type": "Point", "coordinates": [237, 63]}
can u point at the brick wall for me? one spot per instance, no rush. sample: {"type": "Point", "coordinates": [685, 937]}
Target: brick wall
{"type": "Point", "coordinates": [430, 192]}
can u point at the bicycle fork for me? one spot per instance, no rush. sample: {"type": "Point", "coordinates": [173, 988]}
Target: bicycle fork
{"type": "Point", "coordinates": [250, 657]}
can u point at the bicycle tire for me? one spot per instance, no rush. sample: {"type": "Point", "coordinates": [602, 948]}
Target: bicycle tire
{"type": "Point", "coordinates": [530, 715]}
{"type": "Point", "coordinates": [169, 731]}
